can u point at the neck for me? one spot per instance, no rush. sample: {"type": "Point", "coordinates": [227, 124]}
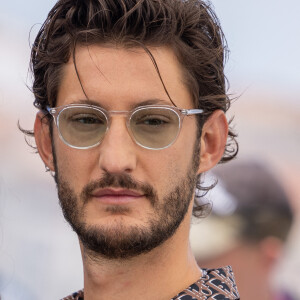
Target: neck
{"type": "Point", "coordinates": [160, 274]}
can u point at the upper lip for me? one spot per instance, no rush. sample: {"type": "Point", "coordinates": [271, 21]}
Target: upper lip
{"type": "Point", "coordinates": [116, 192]}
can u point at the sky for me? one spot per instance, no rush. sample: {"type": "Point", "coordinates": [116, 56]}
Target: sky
{"type": "Point", "coordinates": [265, 42]}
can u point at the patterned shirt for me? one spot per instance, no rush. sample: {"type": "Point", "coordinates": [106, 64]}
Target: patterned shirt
{"type": "Point", "coordinates": [215, 284]}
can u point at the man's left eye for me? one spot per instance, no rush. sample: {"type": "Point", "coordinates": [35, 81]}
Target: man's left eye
{"type": "Point", "coordinates": [153, 121]}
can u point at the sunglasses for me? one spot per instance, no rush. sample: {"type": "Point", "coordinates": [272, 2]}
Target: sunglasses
{"type": "Point", "coordinates": [152, 127]}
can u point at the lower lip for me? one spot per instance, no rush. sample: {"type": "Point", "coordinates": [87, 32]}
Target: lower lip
{"type": "Point", "coordinates": [116, 199]}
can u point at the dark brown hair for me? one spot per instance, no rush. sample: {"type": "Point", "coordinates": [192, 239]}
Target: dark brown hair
{"type": "Point", "coordinates": [189, 27]}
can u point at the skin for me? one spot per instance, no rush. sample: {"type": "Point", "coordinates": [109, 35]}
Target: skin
{"type": "Point", "coordinates": [118, 79]}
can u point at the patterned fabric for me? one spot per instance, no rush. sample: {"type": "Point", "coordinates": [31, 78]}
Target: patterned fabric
{"type": "Point", "coordinates": [75, 296]}
{"type": "Point", "coordinates": [215, 284]}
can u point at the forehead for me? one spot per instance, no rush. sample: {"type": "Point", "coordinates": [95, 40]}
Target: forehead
{"type": "Point", "coordinates": [122, 76]}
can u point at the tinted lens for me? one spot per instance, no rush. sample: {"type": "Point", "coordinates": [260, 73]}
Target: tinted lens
{"type": "Point", "coordinates": [82, 126]}
{"type": "Point", "coordinates": [155, 128]}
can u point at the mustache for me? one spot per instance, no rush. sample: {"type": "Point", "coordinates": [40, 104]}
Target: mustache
{"type": "Point", "coordinates": [124, 181]}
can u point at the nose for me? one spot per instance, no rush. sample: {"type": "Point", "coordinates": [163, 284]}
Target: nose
{"type": "Point", "coordinates": [117, 149]}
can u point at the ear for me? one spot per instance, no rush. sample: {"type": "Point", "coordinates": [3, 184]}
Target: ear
{"type": "Point", "coordinates": [43, 139]}
{"type": "Point", "coordinates": [213, 140]}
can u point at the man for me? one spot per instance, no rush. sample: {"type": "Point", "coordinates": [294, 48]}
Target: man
{"type": "Point", "coordinates": [251, 219]}
{"type": "Point", "coordinates": [131, 98]}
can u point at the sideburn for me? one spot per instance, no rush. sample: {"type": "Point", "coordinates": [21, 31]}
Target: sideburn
{"type": "Point", "coordinates": [55, 175]}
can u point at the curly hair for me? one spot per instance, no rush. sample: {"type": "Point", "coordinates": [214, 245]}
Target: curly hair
{"type": "Point", "coordinates": [189, 27]}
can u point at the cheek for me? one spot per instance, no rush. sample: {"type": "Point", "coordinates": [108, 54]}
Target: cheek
{"type": "Point", "coordinates": [185, 144]}
{"type": "Point", "coordinates": [181, 161]}
{"type": "Point", "coordinates": [178, 158]}
{"type": "Point", "coordinates": [74, 166]}
{"type": "Point", "coordinates": [168, 168]}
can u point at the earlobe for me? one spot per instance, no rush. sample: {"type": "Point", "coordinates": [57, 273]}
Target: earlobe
{"type": "Point", "coordinates": [43, 140]}
{"type": "Point", "coordinates": [213, 140]}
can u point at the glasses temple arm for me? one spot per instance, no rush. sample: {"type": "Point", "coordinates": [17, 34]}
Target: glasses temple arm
{"type": "Point", "coordinates": [189, 112]}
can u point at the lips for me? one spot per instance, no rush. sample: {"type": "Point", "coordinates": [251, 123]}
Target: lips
{"type": "Point", "coordinates": [116, 196]}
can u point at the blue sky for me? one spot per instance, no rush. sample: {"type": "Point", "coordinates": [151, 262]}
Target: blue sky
{"type": "Point", "coordinates": [264, 38]}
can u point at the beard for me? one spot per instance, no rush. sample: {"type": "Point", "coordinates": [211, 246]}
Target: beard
{"type": "Point", "coordinates": [117, 241]}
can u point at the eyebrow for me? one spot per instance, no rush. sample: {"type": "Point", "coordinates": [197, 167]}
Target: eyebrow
{"type": "Point", "coordinates": [151, 102]}
{"type": "Point", "coordinates": [132, 106]}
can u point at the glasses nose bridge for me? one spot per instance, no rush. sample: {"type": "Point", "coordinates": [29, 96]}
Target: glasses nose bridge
{"type": "Point", "coordinates": [121, 113]}
{"type": "Point", "coordinates": [112, 113]}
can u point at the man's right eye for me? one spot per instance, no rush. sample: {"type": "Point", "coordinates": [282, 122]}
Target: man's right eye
{"type": "Point", "coordinates": [86, 119]}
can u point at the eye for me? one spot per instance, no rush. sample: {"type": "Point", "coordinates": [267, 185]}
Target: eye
{"type": "Point", "coordinates": [153, 120]}
{"type": "Point", "coordinates": [87, 119]}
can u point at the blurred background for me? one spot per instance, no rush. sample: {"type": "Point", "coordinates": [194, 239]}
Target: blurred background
{"type": "Point", "coordinates": [39, 254]}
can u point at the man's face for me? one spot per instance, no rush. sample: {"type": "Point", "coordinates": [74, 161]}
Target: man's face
{"type": "Point", "coordinates": [122, 199]}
